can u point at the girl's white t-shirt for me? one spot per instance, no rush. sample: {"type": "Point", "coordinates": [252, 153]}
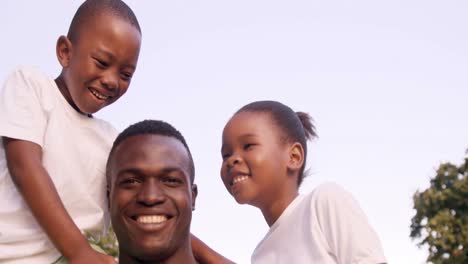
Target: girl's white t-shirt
{"type": "Point", "coordinates": [75, 149]}
{"type": "Point", "coordinates": [327, 226]}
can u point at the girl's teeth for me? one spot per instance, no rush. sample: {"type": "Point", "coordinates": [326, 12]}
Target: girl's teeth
{"type": "Point", "coordinates": [151, 219]}
{"type": "Point", "coordinates": [238, 179]}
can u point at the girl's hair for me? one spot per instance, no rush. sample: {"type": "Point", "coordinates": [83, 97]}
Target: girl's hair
{"type": "Point", "coordinates": [296, 126]}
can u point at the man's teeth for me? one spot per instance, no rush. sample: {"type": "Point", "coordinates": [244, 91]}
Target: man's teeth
{"type": "Point", "coordinates": [99, 95]}
{"type": "Point", "coordinates": [151, 219]}
{"type": "Point", "coordinates": [238, 179]}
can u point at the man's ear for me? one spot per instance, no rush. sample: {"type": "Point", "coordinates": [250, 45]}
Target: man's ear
{"type": "Point", "coordinates": [296, 157]}
{"type": "Point", "coordinates": [194, 195]}
{"type": "Point", "coordinates": [108, 196]}
{"type": "Point", "coordinates": [64, 51]}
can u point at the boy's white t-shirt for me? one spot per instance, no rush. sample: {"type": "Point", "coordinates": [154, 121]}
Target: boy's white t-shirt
{"type": "Point", "coordinates": [75, 149]}
{"type": "Point", "coordinates": [327, 226]}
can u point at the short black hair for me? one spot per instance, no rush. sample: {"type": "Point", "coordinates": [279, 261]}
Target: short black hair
{"type": "Point", "coordinates": [92, 8]}
{"type": "Point", "coordinates": [152, 127]}
{"type": "Point", "coordinates": [296, 126]}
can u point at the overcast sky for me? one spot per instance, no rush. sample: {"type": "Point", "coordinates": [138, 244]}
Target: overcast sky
{"type": "Point", "coordinates": [386, 82]}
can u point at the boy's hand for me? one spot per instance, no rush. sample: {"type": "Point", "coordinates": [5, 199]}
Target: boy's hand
{"type": "Point", "coordinates": [24, 161]}
{"type": "Point", "coordinates": [89, 255]}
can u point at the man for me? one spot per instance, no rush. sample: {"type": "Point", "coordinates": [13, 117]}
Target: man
{"type": "Point", "coordinates": [150, 174]}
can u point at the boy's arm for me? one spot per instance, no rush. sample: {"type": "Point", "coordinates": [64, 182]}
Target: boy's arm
{"type": "Point", "coordinates": [205, 255]}
{"type": "Point", "coordinates": [24, 161]}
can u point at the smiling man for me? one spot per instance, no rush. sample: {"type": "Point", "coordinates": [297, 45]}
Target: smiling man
{"type": "Point", "coordinates": [150, 174]}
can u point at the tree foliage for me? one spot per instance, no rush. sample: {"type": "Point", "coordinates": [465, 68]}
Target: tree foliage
{"type": "Point", "coordinates": [107, 243]}
{"type": "Point", "coordinates": [441, 220]}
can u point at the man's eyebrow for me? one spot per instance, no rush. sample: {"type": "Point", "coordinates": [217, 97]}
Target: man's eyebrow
{"type": "Point", "coordinates": [140, 172]}
{"type": "Point", "coordinates": [175, 169]}
{"type": "Point", "coordinates": [133, 171]}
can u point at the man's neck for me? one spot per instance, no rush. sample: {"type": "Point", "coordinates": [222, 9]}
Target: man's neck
{"type": "Point", "coordinates": [178, 258]}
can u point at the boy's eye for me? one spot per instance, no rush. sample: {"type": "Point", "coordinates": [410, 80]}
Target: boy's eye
{"type": "Point", "coordinates": [126, 76]}
{"type": "Point", "coordinates": [100, 63]}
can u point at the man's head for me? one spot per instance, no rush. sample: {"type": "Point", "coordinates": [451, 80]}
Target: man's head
{"type": "Point", "coordinates": [99, 54]}
{"type": "Point", "coordinates": [151, 194]}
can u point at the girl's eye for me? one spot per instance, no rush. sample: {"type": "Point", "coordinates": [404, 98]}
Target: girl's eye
{"type": "Point", "coordinates": [248, 146]}
{"type": "Point", "coordinates": [225, 155]}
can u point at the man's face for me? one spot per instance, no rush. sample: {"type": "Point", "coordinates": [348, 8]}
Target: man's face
{"type": "Point", "coordinates": [151, 196]}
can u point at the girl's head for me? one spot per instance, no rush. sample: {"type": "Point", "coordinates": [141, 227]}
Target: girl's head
{"type": "Point", "coordinates": [264, 150]}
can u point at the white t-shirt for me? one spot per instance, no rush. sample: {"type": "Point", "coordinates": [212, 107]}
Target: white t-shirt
{"type": "Point", "coordinates": [75, 149]}
{"type": "Point", "coordinates": [326, 226]}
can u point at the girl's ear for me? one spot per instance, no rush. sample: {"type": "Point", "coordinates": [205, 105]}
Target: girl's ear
{"type": "Point", "coordinates": [64, 50]}
{"type": "Point", "coordinates": [296, 157]}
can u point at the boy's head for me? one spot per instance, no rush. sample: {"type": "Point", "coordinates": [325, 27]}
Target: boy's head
{"type": "Point", "coordinates": [99, 54]}
{"type": "Point", "coordinates": [151, 194]}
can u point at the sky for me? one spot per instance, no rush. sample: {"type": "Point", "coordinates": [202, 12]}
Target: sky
{"type": "Point", "coordinates": [385, 81]}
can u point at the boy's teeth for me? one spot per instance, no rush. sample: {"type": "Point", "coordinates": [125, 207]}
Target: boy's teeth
{"type": "Point", "coordinates": [151, 219]}
{"type": "Point", "coordinates": [98, 95]}
{"type": "Point", "coordinates": [239, 179]}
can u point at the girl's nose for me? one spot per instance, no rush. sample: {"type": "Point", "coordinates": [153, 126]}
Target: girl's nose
{"type": "Point", "coordinates": [233, 160]}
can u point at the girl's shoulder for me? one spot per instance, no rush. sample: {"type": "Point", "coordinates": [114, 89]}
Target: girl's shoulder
{"type": "Point", "coordinates": [328, 190]}
{"type": "Point", "coordinates": [330, 196]}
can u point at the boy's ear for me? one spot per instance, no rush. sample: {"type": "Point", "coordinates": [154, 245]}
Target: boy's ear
{"type": "Point", "coordinates": [64, 50]}
{"type": "Point", "coordinates": [296, 157]}
{"type": "Point", "coordinates": [194, 195]}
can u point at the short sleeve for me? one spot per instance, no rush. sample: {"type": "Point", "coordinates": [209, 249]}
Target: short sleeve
{"type": "Point", "coordinates": [21, 113]}
{"type": "Point", "coordinates": [346, 228]}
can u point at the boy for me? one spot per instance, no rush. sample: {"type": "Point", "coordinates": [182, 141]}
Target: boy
{"type": "Point", "coordinates": [52, 184]}
{"type": "Point", "coordinates": [150, 174]}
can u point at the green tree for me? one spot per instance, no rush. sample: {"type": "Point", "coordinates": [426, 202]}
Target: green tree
{"type": "Point", "coordinates": [441, 220]}
{"type": "Point", "coordinates": [107, 243]}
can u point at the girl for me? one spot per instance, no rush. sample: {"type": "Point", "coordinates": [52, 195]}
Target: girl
{"type": "Point", "coordinates": [264, 151]}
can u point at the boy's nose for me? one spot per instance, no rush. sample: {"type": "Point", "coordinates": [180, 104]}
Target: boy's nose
{"type": "Point", "coordinates": [151, 194]}
{"type": "Point", "coordinates": [110, 81]}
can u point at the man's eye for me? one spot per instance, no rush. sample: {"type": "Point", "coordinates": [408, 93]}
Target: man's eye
{"type": "Point", "coordinates": [172, 181]}
{"type": "Point", "coordinates": [129, 182]}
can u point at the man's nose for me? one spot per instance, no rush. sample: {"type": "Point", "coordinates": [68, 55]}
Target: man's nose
{"type": "Point", "coordinates": [151, 193]}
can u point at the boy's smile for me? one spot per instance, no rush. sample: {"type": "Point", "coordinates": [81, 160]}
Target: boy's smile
{"type": "Point", "coordinates": [151, 194]}
{"type": "Point", "coordinates": [98, 65]}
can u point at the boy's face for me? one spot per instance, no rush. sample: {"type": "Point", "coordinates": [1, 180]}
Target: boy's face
{"type": "Point", "coordinates": [151, 196]}
{"type": "Point", "coordinates": [254, 159]}
{"type": "Point", "coordinates": [99, 64]}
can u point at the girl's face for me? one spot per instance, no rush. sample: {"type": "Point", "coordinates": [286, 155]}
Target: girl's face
{"type": "Point", "coordinates": [255, 159]}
